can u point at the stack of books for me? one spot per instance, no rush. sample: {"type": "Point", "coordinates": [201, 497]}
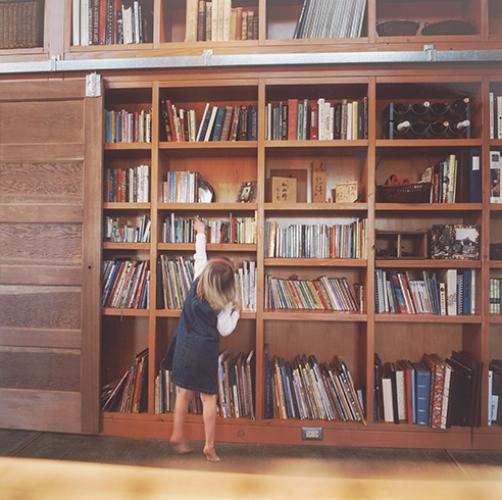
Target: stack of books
{"type": "Point", "coordinates": [217, 21]}
{"type": "Point", "coordinates": [118, 230]}
{"type": "Point", "coordinates": [329, 19]}
{"type": "Point", "coordinates": [224, 123]}
{"type": "Point", "coordinates": [317, 120]}
{"type": "Point", "coordinates": [109, 22]}
{"type": "Point", "coordinates": [321, 241]}
{"type": "Point", "coordinates": [130, 393]}
{"type": "Point", "coordinates": [131, 185]}
{"type": "Point", "coordinates": [128, 126]}
{"type": "Point", "coordinates": [325, 294]}
{"type": "Point", "coordinates": [436, 392]}
{"type": "Point", "coordinates": [450, 292]}
{"type": "Point", "coordinates": [308, 390]}
{"type": "Point", "coordinates": [240, 230]}
{"type": "Point", "coordinates": [126, 284]}
{"type": "Point", "coordinates": [495, 392]}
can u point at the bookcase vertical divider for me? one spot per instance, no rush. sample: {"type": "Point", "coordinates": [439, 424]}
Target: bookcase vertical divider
{"type": "Point", "coordinates": [371, 20]}
{"type": "Point", "coordinates": [370, 271]}
{"type": "Point", "coordinates": [262, 21]}
{"type": "Point", "coordinates": [485, 249]}
{"type": "Point", "coordinates": [260, 253]}
{"type": "Point", "coordinates": [152, 318]}
{"type": "Point", "coordinates": [485, 19]}
{"type": "Point", "coordinates": [158, 23]}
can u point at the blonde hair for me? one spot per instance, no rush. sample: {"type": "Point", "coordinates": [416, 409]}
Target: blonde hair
{"type": "Point", "coordinates": [217, 283]}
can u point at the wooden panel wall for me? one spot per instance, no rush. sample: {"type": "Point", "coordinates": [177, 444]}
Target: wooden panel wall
{"type": "Point", "coordinates": [47, 275]}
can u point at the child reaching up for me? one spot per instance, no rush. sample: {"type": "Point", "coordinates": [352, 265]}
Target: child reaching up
{"type": "Point", "coordinates": [209, 311]}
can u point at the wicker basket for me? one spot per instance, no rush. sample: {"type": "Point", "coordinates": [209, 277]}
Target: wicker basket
{"type": "Point", "coordinates": [21, 24]}
{"type": "Point", "coordinates": [419, 192]}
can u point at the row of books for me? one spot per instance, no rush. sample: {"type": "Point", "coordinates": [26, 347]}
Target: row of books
{"type": "Point", "coordinates": [177, 276]}
{"type": "Point", "coordinates": [240, 230]}
{"type": "Point", "coordinates": [180, 187]}
{"type": "Point", "coordinates": [309, 390]}
{"type": "Point", "coordinates": [328, 19]}
{"type": "Point", "coordinates": [326, 294]}
{"type": "Point", "coordinates": [495, 177]}
{"type": "Point", "coordinates": [322, 241]}
{"type": "Point", "coordinates": [450, 292]}
{"type": "Point", "coordinates": [130, 393]}
{"type": "Point", "coordinates": [495, 116]}
{"type": "Point", "coordinates": [217, 21]}
{"type": "Point", "coordinates": [236, 396]}
{"type": "Point", "coordinates": [446, 179]}
{"type": "Point", "coordinates": [131, 185]}
{"type": "Point", "coordinates": [495, 296]}
{"type": "Point", "coordinates": [120, 230]}
{"type": "Point", "coordinates": [436, 392]}
{"type": "Point", "coordinates": [126, 284]}
{"type": "Point", "coordinates": [108, 22]}
{"type": "Point", "coordinates": [495, 392]}
{"type": "Point", "coordinates": [317, 120]}
{"type": "Point", "coordinates": [128, 126]}
{"type": "Point", "coordinates": [223, 123]}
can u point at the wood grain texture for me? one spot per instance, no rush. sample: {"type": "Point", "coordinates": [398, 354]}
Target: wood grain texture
{"type": "Point", "coordinates": [48, 274]}
{"type": "Point", "coordinates": [41, 243]}
{"type": "Point", "coordinates": [53, 411]}
{"type": "Point", "coordinates": [40, 337]}
{"type": "Point", "coordinates": [40, 306]}
{"type": "Point", "coordinates": [49, 369]}
{"type": "Point", "coordinates": [36, 182]}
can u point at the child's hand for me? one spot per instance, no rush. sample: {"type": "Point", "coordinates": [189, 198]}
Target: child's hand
{"type": "Point", "coordinates": [199, 226]}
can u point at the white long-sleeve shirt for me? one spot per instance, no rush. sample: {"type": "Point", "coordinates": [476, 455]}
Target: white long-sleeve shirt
{"type": "Point", "coordinates": [228, 316]}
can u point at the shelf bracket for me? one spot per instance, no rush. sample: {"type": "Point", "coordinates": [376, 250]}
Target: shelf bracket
{"type": "Point", "coordinates": [53, 63]}
{"type": "Point", "coordinates": [207, 54]}
{"type": "Point", "coordinates": [93, 85]}
{"type": "Point", "coordinates": [430, 51]}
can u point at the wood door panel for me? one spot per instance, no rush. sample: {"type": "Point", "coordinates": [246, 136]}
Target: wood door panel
{"type": "Point", "coordinates": [41, 243]}
{"type": "Point", "coordinates": [55, 411]}
{"type": "Point", "coordinates": [40, 306]}
{"type": "Point", "coordinates": [24, 182]}
{"type": "Point", "coordinates": [42, 122]}
{"type": "Point", "coordinates": [50, 150]}
{"type": "Point", "coordinates": [49, 369]}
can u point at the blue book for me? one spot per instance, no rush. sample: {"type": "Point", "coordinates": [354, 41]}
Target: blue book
{"type": "Point", "coordinates": [391, 120]}
{"type": "Point", "coordinates": [467, 292]}
{"type": "Point", "coordinates": [422, 393]}
{"type": "Point", "coordinates": [475, 175]}
{"type": "Point", "coordinates": [218, 124]}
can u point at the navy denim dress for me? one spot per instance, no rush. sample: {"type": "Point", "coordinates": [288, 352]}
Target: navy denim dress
{"type": "Point", "coordinates": [195, 355]}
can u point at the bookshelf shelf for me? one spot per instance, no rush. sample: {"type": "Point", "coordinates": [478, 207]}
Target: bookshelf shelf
{"type": "Point", "coordinates": [284, 262]}
{"type": "Point", "coordinates": [495, 264]}
{"type": "Point", "coordinates": [316, 144]}
{"type": "Point", "coordinates": [208, 207]}
{"type": "Point", "coordinates": [496, 207]}
{"type": "Point", "coordinates": [426, 318]}
{"type": "Point", "coordinates": [175, 313]}
{"type": "Point", "coordinates": [428, 143]}
{"type": "Point", "coordinates": [125, 246]}
{"type": "Point", "coordinates": [128, 146]}
{"type": "Point", "coordinates": [496, 142]}
{"type": "Point", "coordinates": [427, 264]}
{"type": "Point", "coordinates": [110, 311]}
{"type": "Point", "coordinates": [210, 247]}
{"type": "Point", "coordinates": [428, 207]}
{"type": "Point", "coordinates": [315, 207]}
{"type": "Point", "coordinates": [495, 319]}
{"type": "Point", "coordinates": [209, 145]}
{"type": "Point", "coordinates": [126, 206]}
{"type": "Point", "coordinates": [306, 316]}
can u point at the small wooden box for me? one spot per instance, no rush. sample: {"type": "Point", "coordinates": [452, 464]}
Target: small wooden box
{"type": "Point", "coordinates": [281, 189]}
{"type": "Point", "coordinates": [401, 244]}
{"type": "Point", "coordinates": [346, 193]}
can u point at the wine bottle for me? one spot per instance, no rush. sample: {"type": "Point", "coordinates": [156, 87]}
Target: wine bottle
{"type": "Point", "coordinates": [460, 108]}
{"type": "Point", "coordinates": [439, 109]}
{"type": "Point", "coordinates": [460, 128]}
{"type": "Point", "coordinates": [401, 129]}
{"type": "Point", "coordinates": [401, 108]}
{"type": "Point", "coordinates": [421, 108]}
{"type": "Point", "coordinates": [439, 128]}
{"type": "Point", "coordinates": [419, 129]}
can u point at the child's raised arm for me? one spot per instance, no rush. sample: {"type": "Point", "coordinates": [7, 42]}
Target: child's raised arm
{"type": "Point", "coordinates": [200, 256]}
{"type": "Point", "coordinates": [227, 320]}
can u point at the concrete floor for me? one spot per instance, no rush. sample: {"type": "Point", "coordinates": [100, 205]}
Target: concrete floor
{"type": "Point", "coordinates": [457, 469]}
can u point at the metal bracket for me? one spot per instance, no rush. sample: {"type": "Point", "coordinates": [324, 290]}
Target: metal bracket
{"type": "Point", "coordinates": [93, 85]}
{"type": "Point", "coordinates": [53, 62]}
{"type": "Point", "coordinates": [431, 51]}
{"type": "Point", "coordinates": [206, 56]}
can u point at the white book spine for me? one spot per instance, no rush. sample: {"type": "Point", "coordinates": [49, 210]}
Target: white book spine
{"type": "Point", "coordinates": [320, 119]}
{"type": "Point", "coordinates": [490, 390]}
{"type": "Point", "coordinates": [495, 174]}
{"type": "Point", "coordinates": [388, 410]}
{"type": "Point", "coordinates": [349, 121]}
{"type": "Point", "coordinates": [492, 116]}
{"type": "Point", "coordinates": [76, 22]}
{"type": "Point", "coordinates": [227, 8]}
{"type": "Point", "coordinates": [499, 117]}
{"type": "Point", "coordinates": [211, 123]}
{"type": "Point", "coordinates": [401, 408]}
{"type": "Point", "coordinates": [446, 395]}
{"type": "Point", "coordinates": [84, 22]}
{"type": "Point", "coordinates": [451, 291]}
{"type": "Point", "coordinates": [269, 121]}
{"type": "Point", "coordinates": [136, 22]}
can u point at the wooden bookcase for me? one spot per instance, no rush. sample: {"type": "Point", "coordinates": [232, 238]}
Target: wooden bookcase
{"type": "Point", "coordinates": [355, 336]}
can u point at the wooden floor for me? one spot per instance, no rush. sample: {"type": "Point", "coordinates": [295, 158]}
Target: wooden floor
{"type": "Point", "coordinates": [42, 466]}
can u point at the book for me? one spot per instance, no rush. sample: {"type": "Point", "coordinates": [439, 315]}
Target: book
{"type": "Point", "coordinates": [495, 177]}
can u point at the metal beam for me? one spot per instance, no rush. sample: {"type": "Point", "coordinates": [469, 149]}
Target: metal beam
{"type": "Point", "coordinates": [209, 60]}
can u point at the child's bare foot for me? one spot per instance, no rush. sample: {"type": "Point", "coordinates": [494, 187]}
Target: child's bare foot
{"type": "Point", "coordinates": [181, 447]}
{"type": "Point", "coordinates": [211, 455]}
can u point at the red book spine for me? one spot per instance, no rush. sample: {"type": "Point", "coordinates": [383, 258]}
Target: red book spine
{"type": "Point", "coordinates": [314, 119]}
{"type": "Point", "coordinates": [409, 408]}
{"type": "Point", "coordinates": [102, 22]}
{"type": "Point", "coordinates": [170, 116]}
{"type": "Point", "coordinates": [292, 119]}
